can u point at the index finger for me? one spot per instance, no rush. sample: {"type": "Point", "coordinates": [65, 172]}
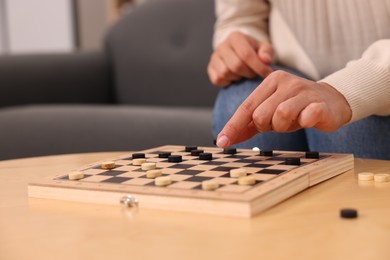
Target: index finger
{"type": "Point", "coordinates": [239, 122]}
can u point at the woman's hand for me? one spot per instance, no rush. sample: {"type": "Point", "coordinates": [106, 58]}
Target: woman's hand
{"type": "Point", "coordinates": [283, 103]}
{"type": "Point", "coordinates": [239, 56]}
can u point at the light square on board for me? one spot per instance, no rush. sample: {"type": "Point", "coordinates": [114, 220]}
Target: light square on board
{"type": "Point", "coordinates": [139, 181]}
{"type": "Point", "coordinates": [180, 177]}
{"type": "Point", "coordinates": [123, 162]}
{"type": "Point", "coordinates": [235, 164]}
{"type": "Point", "coordinates": [247, 153]}
{"type": "Point", "coordinates": [226, 160]}
{"type": "Point", "coordinates": [225, 180]}
{"type": "Point", "coordinates": [155, 159]}
{"type": "Point", "coordinates": [211, 174]}
{"type": "Point", "coordinates": [164, 164]}
{"type": "Point", "coordinates": [133, 174]}
{"type": "Point", "coordinates": [95, 178]}
{"type": "Point", "coordinates": [171, 170]}
{"type": "Point", "coordinates": [93, 171]}
{"type": "Point", "coordinates": [128, 168]}
{"type": "Point", "coordinates": [256, 158]}
{"type": "Point", "coordinates": [269, 162]}
{"type": "Point", "coordinates": [203, 167]}
{"type": "Point", "coordinates": [196, 161]}
{"type": "Point", "coordinates": [187, 185]}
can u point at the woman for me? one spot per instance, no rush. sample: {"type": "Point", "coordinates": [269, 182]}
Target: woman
{"type": "Point", "coordinates": [343, 47]}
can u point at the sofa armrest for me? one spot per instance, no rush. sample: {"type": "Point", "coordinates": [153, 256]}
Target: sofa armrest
{"type": "Point", "coordinates": [54, 78]}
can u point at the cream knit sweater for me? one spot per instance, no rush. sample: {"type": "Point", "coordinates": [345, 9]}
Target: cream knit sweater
{"type": "Point", "coordinates": [345, 43]}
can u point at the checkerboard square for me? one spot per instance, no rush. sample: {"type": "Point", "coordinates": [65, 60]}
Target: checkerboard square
{"type": "Point", "coordinates": [116, 180]}
{"type": "Point", "coordinates": [199, 178]}
{"type": "Point", "coordinates": [139, 181]}
{"type": "Point", "coordinates": [189, 172]}
{"type": "Point", "coordinates": [112, 173]}
{"type": "Point", "coordinates": [187, 185]}
{"type": "Point", "coordinates": [181, 166]}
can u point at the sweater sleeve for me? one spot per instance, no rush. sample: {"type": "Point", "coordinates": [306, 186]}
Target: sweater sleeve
{"type": "Point", "coordinates": [247, 16]}
{"type": "Point", "coordinates": [365, 83]}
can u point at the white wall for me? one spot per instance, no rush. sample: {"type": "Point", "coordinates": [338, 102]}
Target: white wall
{"type": "Point", "coordinates": [39, 26]}
{"type": "Point", "coordinates": [3, 38]}
{"type": "Point", "coordinates": [93, 21]}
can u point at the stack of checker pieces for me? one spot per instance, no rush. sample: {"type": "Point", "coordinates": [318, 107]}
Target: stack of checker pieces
{"type": "Point", "coordinates": [189, 167]}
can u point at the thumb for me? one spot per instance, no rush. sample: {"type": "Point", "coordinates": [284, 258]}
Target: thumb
{"type": "Point", "coordinates": [265, 52]}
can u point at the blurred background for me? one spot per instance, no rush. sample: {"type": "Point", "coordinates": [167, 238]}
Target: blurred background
{"type": "Point", "coordinates": [104, 75]}
{"type": "Point", "coordinates": [44, 26]}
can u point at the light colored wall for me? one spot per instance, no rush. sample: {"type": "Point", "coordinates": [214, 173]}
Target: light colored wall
{"type": "Point", "coordinates": [93, 21]}
{"type": "Point", "coordinates": [39, 26]}
{"type": "Point", "coordinates": [95, 17]}
{"type": "Point", "coordinates": [3, 37]}
{"type": "Point", "coordinates": [36, 26]}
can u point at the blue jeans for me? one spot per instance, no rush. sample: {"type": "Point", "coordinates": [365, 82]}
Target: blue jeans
{"type": "Point", "coordinates": [367, 138]}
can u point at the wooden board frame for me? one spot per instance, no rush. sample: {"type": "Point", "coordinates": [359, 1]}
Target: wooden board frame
{"type": "Point", "coordinates": [245, 204]}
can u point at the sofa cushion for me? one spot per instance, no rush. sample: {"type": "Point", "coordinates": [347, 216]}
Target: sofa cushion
{"type": "Point", "coordinates": [45, 130]}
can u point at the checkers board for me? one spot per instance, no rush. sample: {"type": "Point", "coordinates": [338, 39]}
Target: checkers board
{"type": "Point", "coordinates": [276, 180]}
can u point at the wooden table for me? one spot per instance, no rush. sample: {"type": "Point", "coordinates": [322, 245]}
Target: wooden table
{"type": "Point", "coordinates": [307, 226]}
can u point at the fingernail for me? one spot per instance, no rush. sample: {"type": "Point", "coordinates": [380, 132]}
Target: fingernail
{"type": "Point", "coordinates": [223, 141]}
{"type": "Point", "coordinates": [265, 57]}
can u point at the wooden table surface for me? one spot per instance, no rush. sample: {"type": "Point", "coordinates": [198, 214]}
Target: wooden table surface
{"type": "Point", "coordinates": [307, 226]}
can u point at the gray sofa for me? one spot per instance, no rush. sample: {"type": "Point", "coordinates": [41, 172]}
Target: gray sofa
{"type": "Point", "coordinates": [147, 87]}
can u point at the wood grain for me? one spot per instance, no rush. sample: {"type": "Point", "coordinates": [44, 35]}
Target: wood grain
{"type": "Point", "coordinates": [307, 226]}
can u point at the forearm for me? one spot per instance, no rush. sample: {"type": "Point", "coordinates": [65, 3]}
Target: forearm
{"type": "Point", "coordinates": [365, 83]}
{"type": "Point", "coordinates": [247, 16]}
